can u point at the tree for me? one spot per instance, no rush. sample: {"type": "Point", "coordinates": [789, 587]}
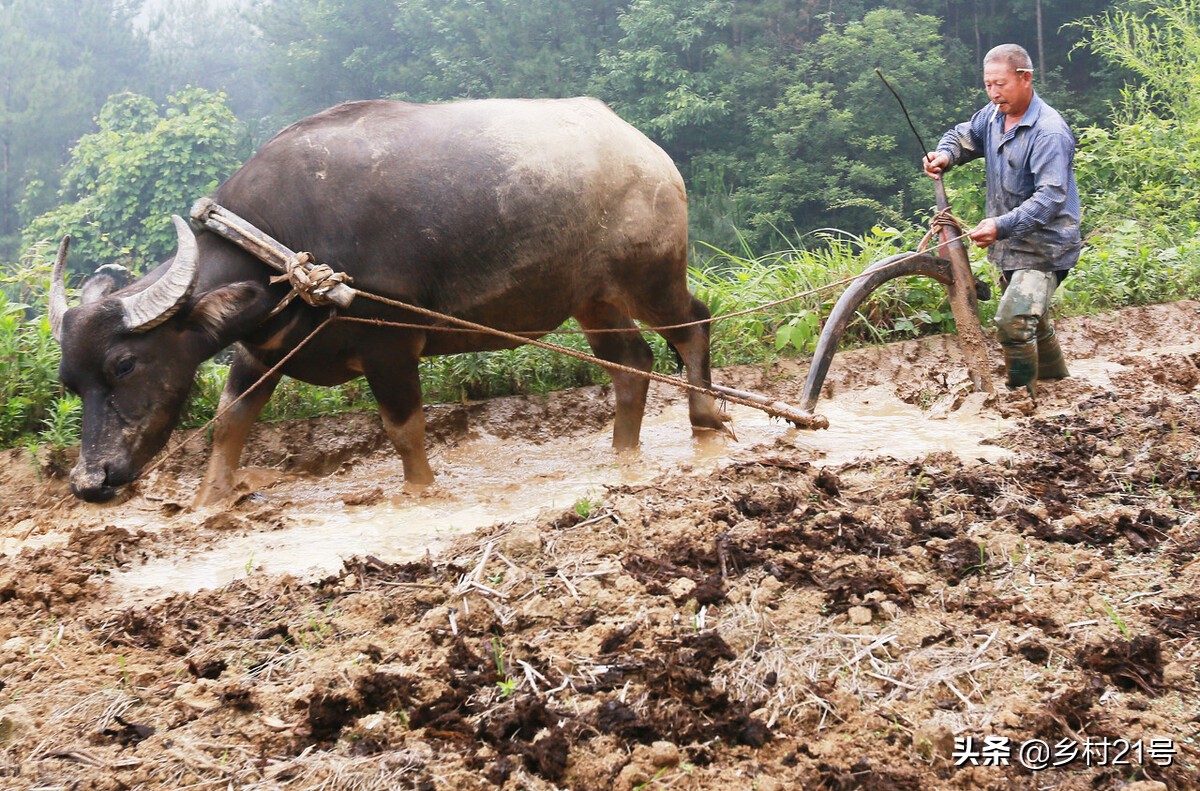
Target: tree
{"type": "Point", "coordinates": [1144, 169]}
{"type": "Point", "coordinates": [321, 52]}
{"type": "Point", "coordinates": [142, 165]}
{"type": "Point", "coordinates": [211, 44]}
{"type": "Point", "coordinates": [59, 60]}
{"type": "Point", "coordinates": [668, 73]}
{"type": "Point", "coordinates": [514, 48]}
{"type": "Point", "coordinates": [835, 150]}
{"type": "Point", "coordinates": [326, 51]}
{"type": "Point", "coordinates": [34, 95]}
{"type": "Point", "coordinates": [1158, 41]}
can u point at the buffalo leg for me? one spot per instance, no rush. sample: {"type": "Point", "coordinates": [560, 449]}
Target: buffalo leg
{"type": "Point", "coordinates": [692, 345]}
{"type": "Point", "coordinates": [232, 428]}
{"type": "Point", "coordinates": [397, 388]}
{"type": "Point", "coordinates": [628, 349]}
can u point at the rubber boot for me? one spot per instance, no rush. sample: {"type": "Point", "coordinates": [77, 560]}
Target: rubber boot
{"type": "Point", "coordinates": [1021, 365]}
{"type": "Point", "coordinates": [1051, 364]}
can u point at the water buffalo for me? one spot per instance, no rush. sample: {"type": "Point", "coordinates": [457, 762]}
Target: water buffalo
{"type": "Point", "coordinates": [512, 213]}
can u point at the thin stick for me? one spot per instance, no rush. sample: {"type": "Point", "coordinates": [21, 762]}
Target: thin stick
{"type": "Point", "coordinates": [903, 109]}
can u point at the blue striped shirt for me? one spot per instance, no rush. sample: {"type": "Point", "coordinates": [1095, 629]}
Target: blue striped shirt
{"type": "Point", "coordinates": [1031, 192]}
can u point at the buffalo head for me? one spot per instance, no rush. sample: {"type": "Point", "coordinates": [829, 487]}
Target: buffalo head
{"type": "Point", "coordinates": [131, 353]}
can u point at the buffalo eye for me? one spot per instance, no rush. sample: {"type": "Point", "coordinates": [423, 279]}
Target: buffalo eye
{"type": "Point", "coordinates": [124, 367]}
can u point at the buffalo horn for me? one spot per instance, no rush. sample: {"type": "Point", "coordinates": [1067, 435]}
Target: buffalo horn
{"type": "Point", "coordinates": [159, 302]}
{"type": "Point", "coordinates": [58, 291]}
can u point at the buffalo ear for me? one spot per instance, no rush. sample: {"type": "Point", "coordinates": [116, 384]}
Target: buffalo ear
{"type": "Point", "coordinates": [225, 309]}
{"type": "Point", "coordinates": [104, 281]}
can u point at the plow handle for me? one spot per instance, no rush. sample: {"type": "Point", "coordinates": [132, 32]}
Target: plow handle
{"type": "Point", "coordinates": [963, 302]}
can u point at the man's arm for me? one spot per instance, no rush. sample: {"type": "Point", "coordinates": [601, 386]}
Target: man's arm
{"type": "Point", "coordinates": [965, 141]}
{"type": "Point", "coordinates": [1050, 161]}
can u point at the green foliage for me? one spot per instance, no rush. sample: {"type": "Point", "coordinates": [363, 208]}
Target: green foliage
{"type": "Point", "coordinates": [31, 399]}
{"type": "Point", "coordinates": [321, 52]}
{"type": "Point", "coordinates": [1130, 265]}
{"type": "Point", "coordinates": [526, 369]}
{"type": "Point", "coordinates": [141, 166]}
{"type": "Point", "coordinates": [63, 423]}
{"type": "Point", "coordinates": [325, 51]}
{"type": "Point", "coordinates": [292, 399]}
{"type": "Point", "coordinates": [1139, 178]}
{"type": "Point", "coordinates": [730, 283]}
{"type": "Point", "coordinates": [668, 73]}
{"type": "Point", "coordinates": [834, 148]}
{"type": "Point", "coordinates": [514, 48]}
{"type": "Point", "coordinates": [1146, 170]}
{"type": "Point", "coordinates": [1158, 41]}
{"type": "Point", "coordinates": [584, 507]}
{"type": "Point", "coordinates": [800, 332]}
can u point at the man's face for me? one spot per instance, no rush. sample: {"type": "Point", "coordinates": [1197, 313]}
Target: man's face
{"type": "Point", "coordinates": [1010, 90]}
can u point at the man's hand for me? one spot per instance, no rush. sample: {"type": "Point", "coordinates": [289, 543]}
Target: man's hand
{"type": "Point", "coordinates": [935, 162]}
{"type": "Point", "coordinates": [984, 233]}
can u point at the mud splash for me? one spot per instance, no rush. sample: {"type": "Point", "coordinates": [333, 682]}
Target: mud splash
{"type": "Point", "coordinates": [487, 481]}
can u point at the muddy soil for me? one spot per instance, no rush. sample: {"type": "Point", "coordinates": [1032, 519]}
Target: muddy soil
{"type": "Point", "coordinates": [818, 610]}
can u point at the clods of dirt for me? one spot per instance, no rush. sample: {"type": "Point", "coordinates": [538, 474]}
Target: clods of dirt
{"type": "Point", "coordinates": [1135, 664]}
{"type": "Point", "coordinates": [774, 621]}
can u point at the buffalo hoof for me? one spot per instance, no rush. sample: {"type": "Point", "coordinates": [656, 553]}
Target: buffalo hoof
{"type": "Point", "coordinates": [705, 416]}
{"type": "Point", "coordinates": [723, 429]}
{"type": "Point", "coordinates": [417, 487]}
{"type": "Point", "coordinates": [210, 495]}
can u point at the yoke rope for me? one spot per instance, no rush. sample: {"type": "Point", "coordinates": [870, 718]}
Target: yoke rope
{"type": "Point", "coordinates": [684, 325]}
{"type": "Point", "coordinates": [310, 281]}
{"type": "Point", "coordinates": [943, 219]}
{"type": "Point", "coordinates": [465, 325]}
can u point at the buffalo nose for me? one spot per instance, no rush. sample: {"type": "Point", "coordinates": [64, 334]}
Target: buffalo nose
{"type": "Point", "coordinates": [89, 482]}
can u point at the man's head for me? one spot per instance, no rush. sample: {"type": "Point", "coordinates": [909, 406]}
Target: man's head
{"type": "Point", "coordinates": [1008, 78]}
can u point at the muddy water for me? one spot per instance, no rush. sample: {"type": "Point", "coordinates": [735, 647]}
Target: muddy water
{"type": "Point", "coordinates": [488, 481]}
{"type": "Point", "coordinates": [1097, 370]}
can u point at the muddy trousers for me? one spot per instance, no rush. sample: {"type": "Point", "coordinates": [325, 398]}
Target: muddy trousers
{"type": "Point", "coordinates": [1025, 331]}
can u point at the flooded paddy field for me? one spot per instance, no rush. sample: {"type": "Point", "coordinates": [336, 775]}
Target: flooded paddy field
{"type": "Point", "coordinates": [797, 609]}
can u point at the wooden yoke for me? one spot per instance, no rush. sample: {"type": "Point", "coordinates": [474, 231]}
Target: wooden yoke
{"type": "Point", "coordinates": [270, 251]}
{"type": "Point", "coordinates": [963, 302]}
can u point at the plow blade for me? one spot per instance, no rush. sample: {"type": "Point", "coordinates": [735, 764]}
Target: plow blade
{"type": "Point", "coordinates": [847, 305]}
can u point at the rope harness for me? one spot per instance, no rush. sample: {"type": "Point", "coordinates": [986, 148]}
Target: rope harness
{"type": "Point", "coordinates": [943, 219]}
{"type": "Point", "coordinates": [310, 281]}
{"type": "Point", "coordinates": [320, 286]}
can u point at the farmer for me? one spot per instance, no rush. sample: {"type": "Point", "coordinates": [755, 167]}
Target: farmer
{"type": "Point", "coordinates": [1032, 224]}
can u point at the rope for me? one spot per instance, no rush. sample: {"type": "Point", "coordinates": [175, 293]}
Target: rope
{"type": "Point", "coordinates": [684, 325]}
{"type": "Point", "coordinates": [946, 219]}
{"type": "Point", "coordinates": [469, 326]}
{"type": "Point", "coordinates": [225, 409]}
{"type": "Point", "coordinates": [512, 336]}
{"type": "Point", "coordinates": [943, 219]}
{"type": "Point", "coordinates": [310, 281]}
